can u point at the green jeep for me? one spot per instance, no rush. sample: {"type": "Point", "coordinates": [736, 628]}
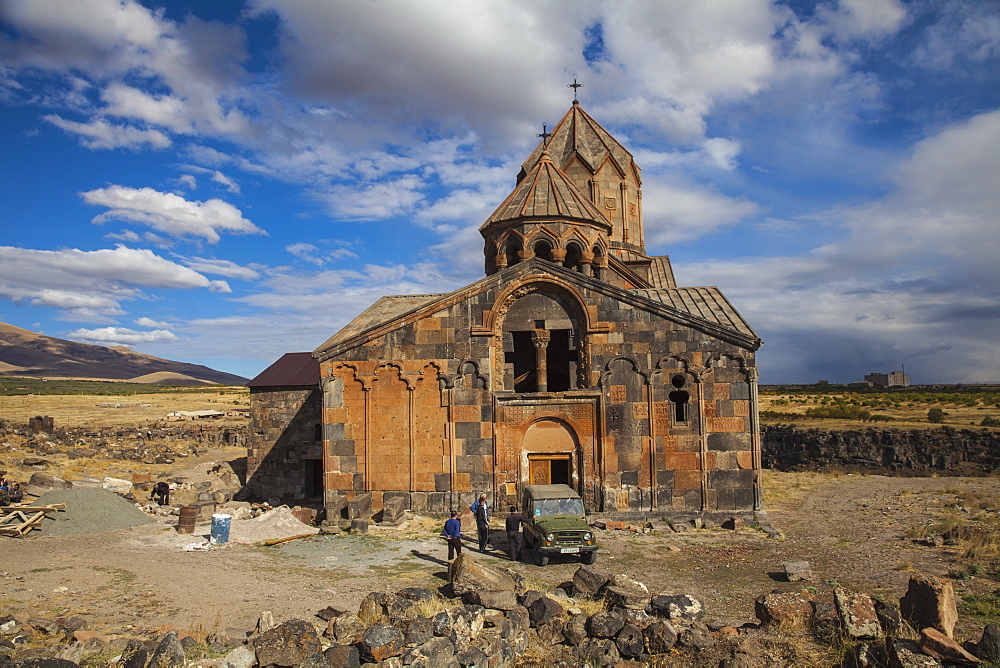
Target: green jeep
{"type": "Point", "coordinates": [557, 524]}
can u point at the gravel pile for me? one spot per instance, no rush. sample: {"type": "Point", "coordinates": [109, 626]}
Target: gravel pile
{"type": "Point", "coordinates": [88, 510]}
{"type": "Point", "coordinates": [272, 525]}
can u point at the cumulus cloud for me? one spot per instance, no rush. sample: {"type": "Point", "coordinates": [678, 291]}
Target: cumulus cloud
{"type": "Point", "coordinates": [169, 213]}
{"type": "Point", "coordinates": [222, 268]}
{"type": "Point", "coordinates": [149, 322]}
{"type": "Point", "coordinates": [374, 201]}
{"type": "Point", "coordinates": [226, 182]}
{"type": "Point", "coordinates": [88, 284]}
{"type": "Point", "coordinates": [912, 280]}
{"type": "Point", "coordinates": [98, 133]}
{"type": "Point", "coordinates": [121, 336]}
{"type": "Point", "coordinates": [676, 212]}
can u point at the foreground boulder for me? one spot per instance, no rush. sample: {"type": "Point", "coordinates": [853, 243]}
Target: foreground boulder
{"type": "Point", "coordinates": [791, 608]}
{"type": "Point", "coordinates": [379, 643]}
{"type": "Point", "coordinates": [942, 647]}
{"type": "Point", "coordinates": [287, 644]}
{"type": "Point", "coordinates": [930, 602]}
{"type": "Point", "coordinates": [590, 581]}
{"type": "Point", "coordinates": [857, 614]}
{"type": "Point", "coordinates": [468, 575]}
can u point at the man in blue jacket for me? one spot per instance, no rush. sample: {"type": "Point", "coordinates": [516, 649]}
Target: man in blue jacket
{"type": "Point", "coordinates": [453, 534]}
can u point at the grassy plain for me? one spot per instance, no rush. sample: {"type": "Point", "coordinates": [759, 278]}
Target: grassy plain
{"type": "Point", "coordinates": [964, 407]}
{"type": "Point", "coordinates": [99, 404]}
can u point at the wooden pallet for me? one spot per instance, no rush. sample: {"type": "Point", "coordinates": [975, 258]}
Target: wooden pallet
{"type": "Point", "coordinates": [19, 520]}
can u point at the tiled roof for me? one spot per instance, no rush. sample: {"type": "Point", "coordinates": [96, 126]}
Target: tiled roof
{"type": "Point", "coordinates": [661, 274]}
{"type": "Point", "coordinates": [384, 310]}
{"type": "Point", "coordinates": [577, 132]}
{"type": "Point", "coordinates": [706, 303]}
{"type": "Point", "coordinates": [290, 369]}
{"type": "Point", "coordinates": [546, 192]}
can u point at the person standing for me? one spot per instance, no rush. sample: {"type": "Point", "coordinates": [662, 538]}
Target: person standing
{"type": "Point", "coordinates": [453, 534]}
{"type": "Point", "coordinates": [481, 510]}
{"type": "Point", "coordinates": [16, 493]}
{"type": "Point", "coordinates": [513, 523]}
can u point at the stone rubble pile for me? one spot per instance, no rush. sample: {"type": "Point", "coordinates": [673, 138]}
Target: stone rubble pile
{"type": "Point", "coordinates": [147, 444]}
{"type": "Point", "coordinates": [490, 620]}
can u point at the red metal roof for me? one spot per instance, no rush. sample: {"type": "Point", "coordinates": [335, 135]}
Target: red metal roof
{"type": "Point", "coordinates": [291, 369]}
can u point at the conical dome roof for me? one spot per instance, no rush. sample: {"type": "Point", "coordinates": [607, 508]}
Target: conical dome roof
{"type": "Point", "coordinates": [578, 133]}
{"type": "Point", "coordinates": [545, 192]}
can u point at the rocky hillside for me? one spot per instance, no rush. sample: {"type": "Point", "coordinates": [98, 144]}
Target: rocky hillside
{"type": "Point", "coordinates": [26, 353]}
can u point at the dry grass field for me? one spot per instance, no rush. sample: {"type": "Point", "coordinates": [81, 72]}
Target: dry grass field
{"type": "Point", "coordinates": [76, 410]}
{"type": "Point", "coordinates": [899, 409]}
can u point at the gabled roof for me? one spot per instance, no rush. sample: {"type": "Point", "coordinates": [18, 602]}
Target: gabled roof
{"type": "Point", "coordinates": [707, 303]}
{"type": "Point", "coordinates": [577, 132]}
{"type": "Point", "coordinates": [290, 369]}
{"type": "Point", "coordinates": [545, 192]}
{"type": "Point", "coordinates": [710, 312]}
{"type": "Point", "coordinates": [384, 310]}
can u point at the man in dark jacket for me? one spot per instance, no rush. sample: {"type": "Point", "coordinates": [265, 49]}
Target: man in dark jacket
{"type": "Point", "coordinates": [513, 523]}
{"type": "Point", "coordinates": [161, 494]}
{"type": "Point", "coordinates": [481, 510]}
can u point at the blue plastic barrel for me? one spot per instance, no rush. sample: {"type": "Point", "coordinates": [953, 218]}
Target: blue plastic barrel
{"type": "Point", "coordinates": [220, 529]}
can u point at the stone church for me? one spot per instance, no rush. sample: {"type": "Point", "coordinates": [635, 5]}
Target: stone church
{"type": "Point", "coordinates": [576, 360]}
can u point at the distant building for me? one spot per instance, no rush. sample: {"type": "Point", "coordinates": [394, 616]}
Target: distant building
{"type": "Point", "coordinates": [194, 415]}
{"type": "Point", "coordinates": [891, 379]}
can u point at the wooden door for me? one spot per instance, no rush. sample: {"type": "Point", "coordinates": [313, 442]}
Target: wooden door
{"type": "Point", "coordinates": [548, 469]}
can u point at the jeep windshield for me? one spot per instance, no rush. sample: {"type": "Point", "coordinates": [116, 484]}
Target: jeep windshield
{"type": "Point", "coordinates": [558, 507]}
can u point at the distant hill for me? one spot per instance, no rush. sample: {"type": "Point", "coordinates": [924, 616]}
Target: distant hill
{"type": "Point", "coordinates": [26, 353]}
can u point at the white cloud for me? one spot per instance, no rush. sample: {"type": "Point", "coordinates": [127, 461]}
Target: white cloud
{"type": "Point", "coordinates": [188, 180]}
{"type": "Point", "coordinates": [374, 201]}
{"type": "Point", "coordinates": [222, 268]}
{"type": "Point", "coordinates": [86, 284]}
{"type": "Point", "coordinates": [225, 181]}
{"type": "Point", "coordinates": [100, 134]}
{"type": "Point", "coordinates": [852, 19]}
{"type": "Point", "coordinates": [676, 212]}
{"type": "Point", "coordinates": [306, 252]}
{"type": "Point", "coordinates": [121, 336]}
{"type": "Point", "coordinates": [128, 102]}
{"type": "Point", "coordinates": [149, 322]}
{"type": "Point", "coordinates": [913, 279]}
{"type": "Point", "coordinates": [169, 213]}
{"type": "Point", "coordinates": [965, 32]}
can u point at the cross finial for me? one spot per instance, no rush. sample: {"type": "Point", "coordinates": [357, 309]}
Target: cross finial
{"type": "Point", "coordinates": [545, 134]}
{"type": "Point", "coordinates": [574, 86]}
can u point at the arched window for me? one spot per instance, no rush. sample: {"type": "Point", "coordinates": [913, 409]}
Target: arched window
{"type": "Point", "coordinates": [573, 255]}
{"type": "Point", "coordinates": [599, 263]}
{"type": "Point", "coordinates": [679, 399]}
{"type": "Point", "coordinates": [543, 250]}
{"type": "Point", "coordinates": [512, 256]}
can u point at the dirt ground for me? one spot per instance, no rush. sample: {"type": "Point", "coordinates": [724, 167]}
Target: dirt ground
{"type": "Point", "coordinates": [850, 528]}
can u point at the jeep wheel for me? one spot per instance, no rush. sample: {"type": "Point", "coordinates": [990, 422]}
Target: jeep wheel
{"type": "Point", "coordinates": [589, 557]}
{"type": "Point", "coordinates": [541, 559]}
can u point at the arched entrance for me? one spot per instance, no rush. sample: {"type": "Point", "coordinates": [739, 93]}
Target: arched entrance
{"type": "Point", "coordinates": [549, 450]}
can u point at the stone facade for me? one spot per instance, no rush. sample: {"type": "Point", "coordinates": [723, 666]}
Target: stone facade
{"type": "Point", "coordinates": [285, 457]}
{"type": "Point", "coordinates": [576, 359]}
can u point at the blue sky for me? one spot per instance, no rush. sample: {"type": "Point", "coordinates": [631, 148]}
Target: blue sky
{"type": "Point", "coordinates": [223, 182]}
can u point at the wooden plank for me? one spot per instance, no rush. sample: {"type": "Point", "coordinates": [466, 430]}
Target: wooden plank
{"type": "Point", "coordinates": [21, 520]}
